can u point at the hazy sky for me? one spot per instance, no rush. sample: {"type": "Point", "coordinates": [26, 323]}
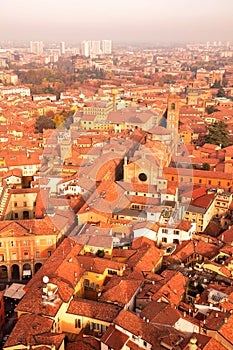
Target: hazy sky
{"type": "Point", "coordinates": [121, 20]}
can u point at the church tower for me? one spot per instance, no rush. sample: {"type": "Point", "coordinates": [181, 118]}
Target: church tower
{"type": "Point", "coordinates": [173, 113]}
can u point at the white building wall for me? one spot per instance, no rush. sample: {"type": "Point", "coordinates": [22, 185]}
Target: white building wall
{"type": "Point", "coordinates": [186, 326]}
{"type": "Point", "coordinates": [154, 217]}
{"type": "Point", "coordinates": [171, 236]}
{"type": "Point", "coordinates": [145, 232]}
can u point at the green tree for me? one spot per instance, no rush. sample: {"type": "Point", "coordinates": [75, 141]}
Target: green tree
{"type": "Point", "coordinates": [100, 253]}
{"type": "Point", "coordinates": [218, 134]}
{"type": "Point", "coordinates": [216, 84]}
{"type": "Point", "coordinates": [221, 93]}
{"type": "Point", "coordinates": [205, 166]}
{"type": "Point", "coordinates": [44, 122]}
{"type": "Point", "coordinates": [49, 90]}
{"type": "Point", "coordinates": [211, 109]}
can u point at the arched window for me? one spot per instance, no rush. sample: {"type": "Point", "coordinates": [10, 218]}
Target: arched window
{"type": "Point", "coordinates": [173, 106]}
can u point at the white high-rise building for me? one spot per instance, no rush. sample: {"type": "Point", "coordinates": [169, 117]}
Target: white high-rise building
{"type": "Point", "coordinates": [95, 47]}
{"type": "Point", "coordinates": [37, 47]}
{"type": "Point", "coordinates": [62, 48]}
{"type": "Point", "coordinates": [86, 48]}
{"type": "Point", "coordinates": [106, 47]}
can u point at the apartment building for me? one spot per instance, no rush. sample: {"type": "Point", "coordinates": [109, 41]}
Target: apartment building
{"type": "Point", "coordinates": [37, 47]}
{"type": "Point", "coordinates": [25, 245]}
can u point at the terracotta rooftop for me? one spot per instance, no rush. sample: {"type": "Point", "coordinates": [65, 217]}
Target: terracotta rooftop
{"type": "Point", "coordinates": [205, 249]}
{"type": "Point", "coordinates": [28, 227]}
{"type": "Point", "coordinates": [120, 291]}
{"type": "Point", "coordinates": [215, 320]}
{"type": "Point", "coordinates": [197, 173]}
{"type": "Point", "coordinates": [146, 258]}
{"type": "Point", "coordinates": [138, 327]}
{"type": "Point", "coordinates": [213, 344]}
{"type": "Point", "coordinates": [227, 236]}
{"type": "Point", "coordinates": [168, 287]}
{"type": "Point", "coordinates": [62, 264]}
{"type": "Point", "coordinates": [114, 338]}
{"type": "Point", "coordinates": [93, 309]}
{"type": "Point", "coordinates": [226, 329]}
{"type": "Point", "coordinates": [203, 201]}
{"type": "Point", "coordinates": [182, 252]}
{"type": "Point", "coordinates": [83, 343]}
{"type": "Point", "coordinates": [32, 301]}
{"type": "Point", "coordinates": [27, 328]}
{"type": "Point", "coordinates": [160, 312]}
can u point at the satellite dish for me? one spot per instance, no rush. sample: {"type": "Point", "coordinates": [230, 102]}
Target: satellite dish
{"type": "Point", "coordinates": [81, 96]}
{"type": "Point", "coordinates": [45, 279]}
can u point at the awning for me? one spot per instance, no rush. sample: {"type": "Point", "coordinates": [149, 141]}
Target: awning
{"type": "Point", "coordinates": [27, 272]}
{"type": "Point", "coordinates": [15, 291]}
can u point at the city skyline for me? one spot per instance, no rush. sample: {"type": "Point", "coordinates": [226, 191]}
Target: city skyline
{"type": "Point", "coordinates": [116, 176]}
{"type": "Point", "coordinates": [136, 21]}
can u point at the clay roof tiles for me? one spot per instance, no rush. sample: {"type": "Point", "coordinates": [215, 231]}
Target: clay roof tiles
{"type": "Point", "coordinates": [93, 309]}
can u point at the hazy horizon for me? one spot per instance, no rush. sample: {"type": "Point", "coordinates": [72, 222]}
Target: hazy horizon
{"type": "Point", "coordinates": [148, 20]}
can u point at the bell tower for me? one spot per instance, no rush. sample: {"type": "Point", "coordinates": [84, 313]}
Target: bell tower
{"type": "Point", "coordinates": [173, 113]}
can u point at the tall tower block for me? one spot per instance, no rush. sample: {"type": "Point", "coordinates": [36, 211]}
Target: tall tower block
{"type": "Point", "coordinates": [173, 113]}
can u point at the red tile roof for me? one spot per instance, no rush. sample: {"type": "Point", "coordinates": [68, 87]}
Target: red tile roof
{"type": "Point", "coordinates": [203, 201]}
{"type": "Point", "coordinates": [213, 344]}
{"type": "Point", "coordinates": [169, 287]}
{"type": "Point", "coordinates": [83, 343]}
{"type": "Point", "coordinates": [205, 249]}
{"type": "Point", "coordinates": [197, 173]}
{"type": "Point", "coordinates": [182, 252]}
{"type": "Point", "coordinates": [93, 309]}
{"type": "Point", "coordinates": [120, 291]}
{"type": "Point", "coordinates": [160, 312]}
{"type": "Point", "coordinates": [148, 332]}
{"type": "Point", "coordinates": [27, 328]}
{"type": "Point", "coordinates": [62, 264]}
{"type": "Point", "coordinates": [114, 338]}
